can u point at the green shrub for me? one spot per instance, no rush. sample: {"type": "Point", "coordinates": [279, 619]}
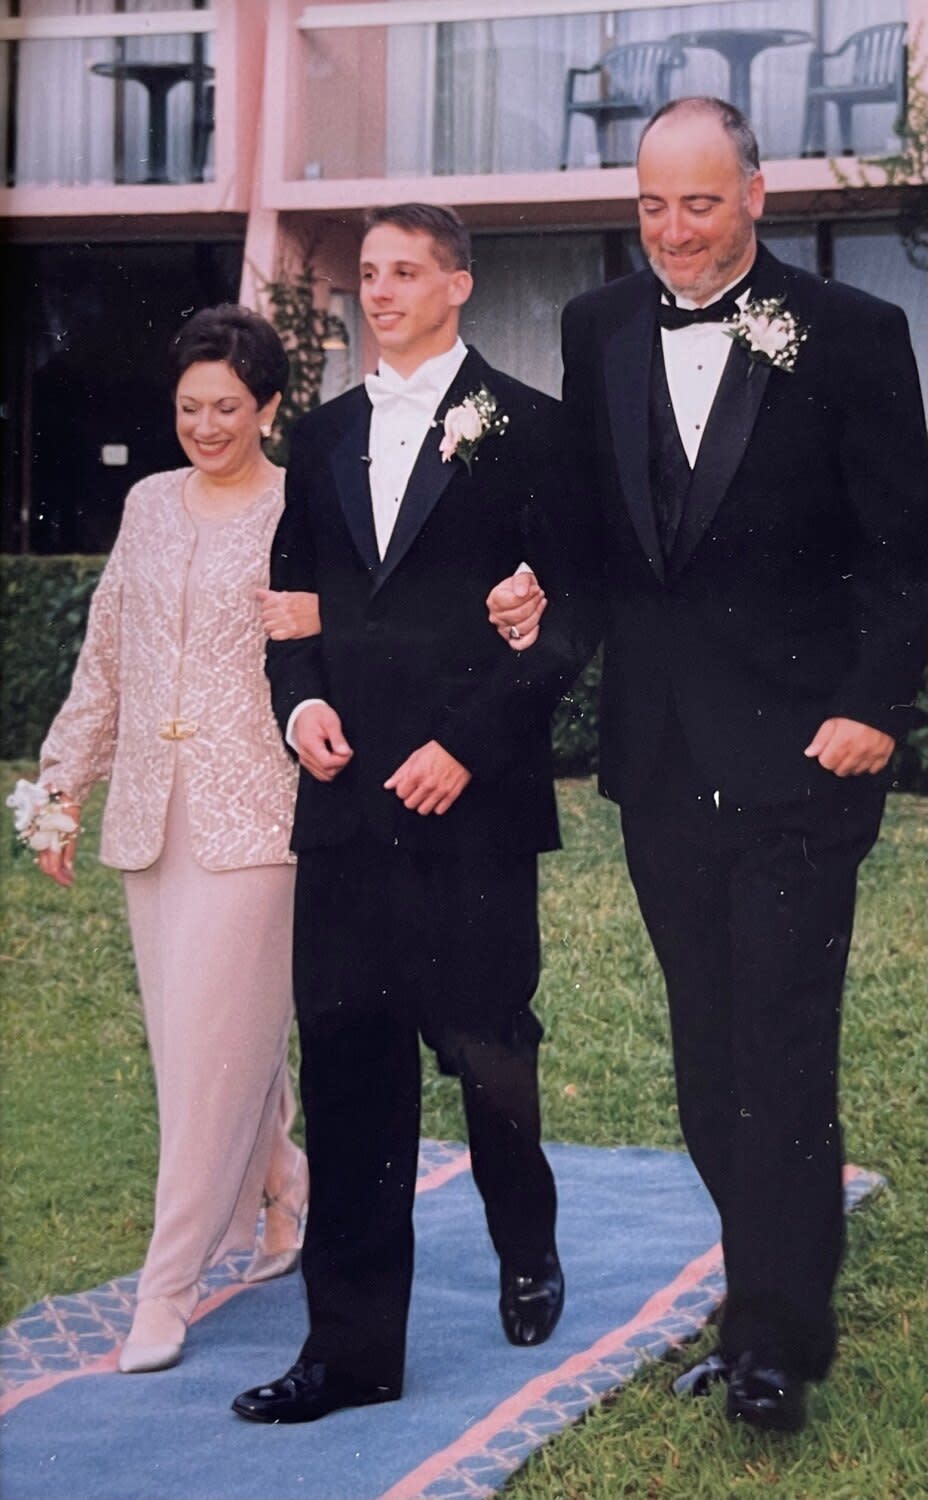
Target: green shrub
{"type": "Point", "coordinates": [911, 764]}
{"type": "Point", "coordinates": [44, 611]}
{"type": "Point", "coordinates": [575, 729]}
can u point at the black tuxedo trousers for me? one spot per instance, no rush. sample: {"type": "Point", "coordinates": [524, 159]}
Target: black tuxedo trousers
{"type": "Point", "coordinates": [394, 944]}
{"type": "Point", "coordinates": [751, 911]}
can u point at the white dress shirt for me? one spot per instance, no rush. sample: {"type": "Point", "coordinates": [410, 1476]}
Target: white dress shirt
{"type": "Point", "coordinates": [402, 413]}
{"type": "Point", "coordinates": [694, 359]}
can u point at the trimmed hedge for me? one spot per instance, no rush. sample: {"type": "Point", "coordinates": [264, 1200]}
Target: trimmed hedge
{"type": "Point", "coordinates": [43, 613]}
{"type": "Point", "coordinates": [43, 609]}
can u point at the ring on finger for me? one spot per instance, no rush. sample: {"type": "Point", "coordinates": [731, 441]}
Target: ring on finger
{"type": "Point", "coordinates": [515, 633]}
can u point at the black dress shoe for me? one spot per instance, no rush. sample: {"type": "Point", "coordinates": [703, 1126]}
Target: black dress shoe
{"type": "Point", "coordinates": [531, 1305]}
{"type": "Point", "coordinates": [765, 1397]}
{"type": "Point", "coordinates": [698, 1379]}
{"type": "Point", "coordinates": [307, 1392]}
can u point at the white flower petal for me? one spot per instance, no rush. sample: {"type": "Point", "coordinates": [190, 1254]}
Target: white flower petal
{"type": "Point", "coordinates": [57, 821]}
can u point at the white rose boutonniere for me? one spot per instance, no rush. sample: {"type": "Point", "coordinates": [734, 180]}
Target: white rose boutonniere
{"type": "Point", "coordinates": [40, 820]}
{"type": "Point", "coordinates": [467, 425]}
{"type": "Point", "coordinates": [770, 334]}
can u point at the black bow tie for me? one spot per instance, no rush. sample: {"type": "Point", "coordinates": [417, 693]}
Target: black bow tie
{"type": "Point", "coordinates": [669, 315]}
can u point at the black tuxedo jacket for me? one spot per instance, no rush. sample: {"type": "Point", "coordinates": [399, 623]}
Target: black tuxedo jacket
{"type": "Point", "coordinates": [406, 654]}
{"type": "Point", "coordinates": [796, 590]}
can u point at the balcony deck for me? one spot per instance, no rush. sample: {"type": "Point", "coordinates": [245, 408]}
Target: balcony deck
{"type": "Point", "coordinates": [463, 101]}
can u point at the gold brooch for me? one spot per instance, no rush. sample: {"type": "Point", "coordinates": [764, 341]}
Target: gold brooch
{"type": "Point", "coordinates": [177, 729]}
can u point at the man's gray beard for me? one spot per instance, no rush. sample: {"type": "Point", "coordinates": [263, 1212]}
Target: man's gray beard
{"type": "Point", "coordinates": [694, 292]}
{"type": "Point", "coordinates": [659, 273]}
{"type": "Point", "coordinates": [691, 294]}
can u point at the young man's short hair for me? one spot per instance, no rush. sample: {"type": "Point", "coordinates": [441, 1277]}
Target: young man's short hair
{"type": "Point", "coordinates": [449, 236]}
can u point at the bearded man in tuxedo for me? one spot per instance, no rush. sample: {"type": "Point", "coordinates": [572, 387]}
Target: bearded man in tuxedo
{"type": "Point", "coordinates": [425, 797]}
{"type": "Point", "coordinates": [765, 533]}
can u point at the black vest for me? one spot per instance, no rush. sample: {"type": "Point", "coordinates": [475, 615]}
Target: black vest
{"type": "Point", "coordinates": [668, 466]}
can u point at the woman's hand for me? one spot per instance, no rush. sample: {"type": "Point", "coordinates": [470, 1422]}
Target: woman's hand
{"type": "Point", "coordinates": [289, 617]}
{"type": "Point", "coordinates": [58, 864]}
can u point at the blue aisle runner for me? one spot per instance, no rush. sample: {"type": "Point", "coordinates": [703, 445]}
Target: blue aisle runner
{"type": "Point", "coordinates": [638, 1238]}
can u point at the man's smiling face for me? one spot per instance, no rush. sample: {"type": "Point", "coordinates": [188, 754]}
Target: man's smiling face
{"type": "Point", "coordinates": [697, 206]}
{"type": "Point", "coordinates": [410, 299]}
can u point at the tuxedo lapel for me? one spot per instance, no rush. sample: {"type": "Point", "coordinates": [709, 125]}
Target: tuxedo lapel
{"type": "Point", "coordinates": [350, 463]}
{"type": "Point", "coordinates": [730, 424]}
{"type": "Point", "coordinates": [430, 476]}
{"type": "Point", "coordinates": [627, 365]}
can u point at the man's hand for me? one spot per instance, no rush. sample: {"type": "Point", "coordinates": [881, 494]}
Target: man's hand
{"type": "Point", "coordinates": [429, 781]}
{"type": "Point", "coordinates": [850, 749]}
{"type": "Point", "coordinates": [58, 864]}
{"type": "Point", "coordinates": [319, 741]}
{"type": "Point", "coordinates": [289, 616]}
{"type": "Point", "coordinates": [515, 607]}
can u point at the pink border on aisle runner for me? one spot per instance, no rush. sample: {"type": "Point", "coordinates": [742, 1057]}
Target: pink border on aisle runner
{"type": "Point", "coordinates": [438, 1176]}
{"type": "Point", "coordinates": [106, 1364]}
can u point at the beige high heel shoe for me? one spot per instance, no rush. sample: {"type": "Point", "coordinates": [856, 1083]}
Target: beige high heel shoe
{"type": "Point", "coordinates": [282, 1241]}
{"type": "Point", "coordinates": [156, 1338]}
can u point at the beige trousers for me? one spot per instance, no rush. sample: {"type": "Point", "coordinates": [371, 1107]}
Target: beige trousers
{"type": "Point", "coordinates": [213, 955]}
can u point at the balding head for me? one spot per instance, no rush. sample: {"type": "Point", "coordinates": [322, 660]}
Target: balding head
{"type": "Point", "coordinates": [732, 121]}
{"type": "Point", "coordinates": [697, 199]}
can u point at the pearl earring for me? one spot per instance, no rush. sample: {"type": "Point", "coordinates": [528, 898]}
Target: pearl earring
{"type": "Point", "coordinates": [265, 429]}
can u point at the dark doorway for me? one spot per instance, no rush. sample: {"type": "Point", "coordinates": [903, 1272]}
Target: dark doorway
{"type": "Point", "coordinates": [86, 397]}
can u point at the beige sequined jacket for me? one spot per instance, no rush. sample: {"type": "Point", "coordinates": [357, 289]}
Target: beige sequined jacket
{"type": "Point", "coordinates": [143, 700]}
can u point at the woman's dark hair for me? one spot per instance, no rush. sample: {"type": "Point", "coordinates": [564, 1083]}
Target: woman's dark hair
{"type": "Point", "coordinates": [244, 340]}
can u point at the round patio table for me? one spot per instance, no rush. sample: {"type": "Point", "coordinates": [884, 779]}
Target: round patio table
{"type": "Point", "coordinates": [739, 47]}
{"type": "Point", "coordinates": [158, 79]}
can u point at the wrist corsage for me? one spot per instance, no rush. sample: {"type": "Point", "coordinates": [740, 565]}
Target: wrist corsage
{"type": "Point", "coordinates": [467, 425]}
{"type": "Point", "coordinates": [40, 818]}
{"type": "Point", "coordinates": [770, 334]}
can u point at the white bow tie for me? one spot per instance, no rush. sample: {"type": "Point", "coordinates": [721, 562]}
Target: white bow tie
{"type": "Point", "coordinates": [390, 388]}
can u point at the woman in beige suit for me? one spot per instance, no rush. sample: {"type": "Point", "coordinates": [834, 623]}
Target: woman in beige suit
{"type": "Point", "coordinates": [170, 702]}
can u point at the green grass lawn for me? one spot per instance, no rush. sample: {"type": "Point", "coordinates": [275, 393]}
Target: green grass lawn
{"type": "Point", "coordinates": [78, 1149]}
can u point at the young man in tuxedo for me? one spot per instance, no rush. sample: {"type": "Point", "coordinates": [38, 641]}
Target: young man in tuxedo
{"type": "Point", "coordinates": [764, 531]}
{"type": "Point", "coordinates": [425, 797]}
